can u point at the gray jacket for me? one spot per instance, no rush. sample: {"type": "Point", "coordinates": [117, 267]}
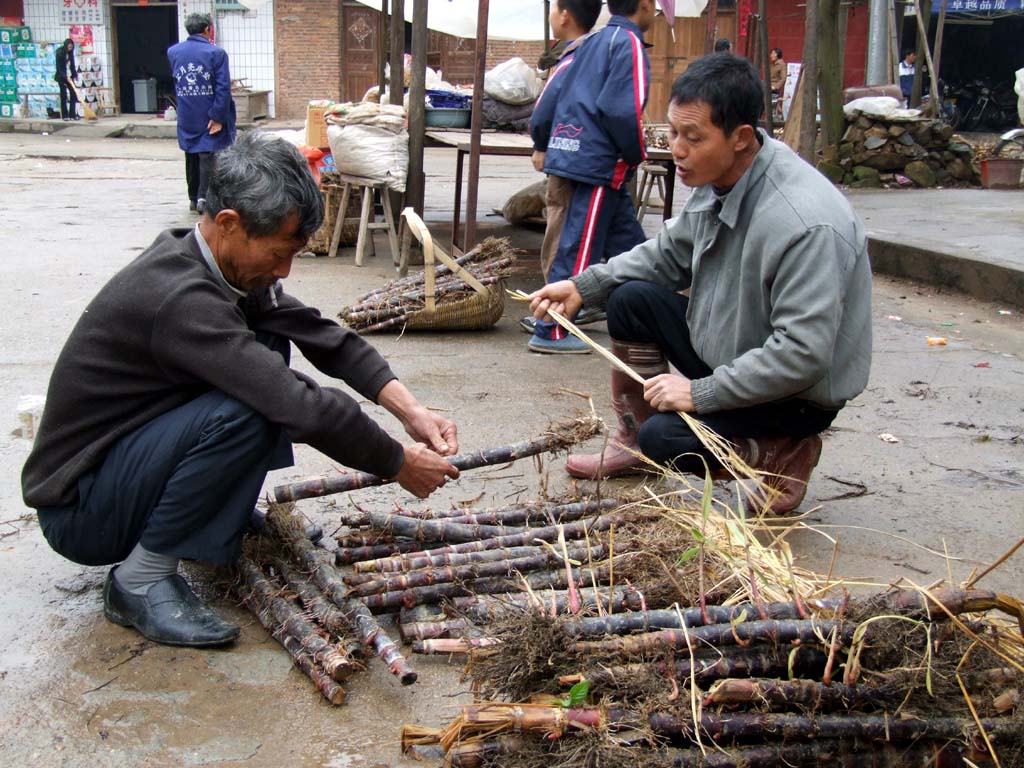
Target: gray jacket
{"type": "Point", "coordinates": [780, 299]}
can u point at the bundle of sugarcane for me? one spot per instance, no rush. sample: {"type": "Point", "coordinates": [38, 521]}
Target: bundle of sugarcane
{"type": "Point", "coordinates": [395, 304]}
{"type": "Point", "coordinates": [902, 678]}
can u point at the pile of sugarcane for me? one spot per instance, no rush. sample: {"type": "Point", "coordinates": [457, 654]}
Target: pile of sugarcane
{"type": "Point", "coordinates": [389, 306]}
{"type": "Point", "coordinates": [909, 677]}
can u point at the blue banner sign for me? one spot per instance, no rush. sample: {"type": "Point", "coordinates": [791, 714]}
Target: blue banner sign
{"type": "Point", "coordinates": [979, 6]}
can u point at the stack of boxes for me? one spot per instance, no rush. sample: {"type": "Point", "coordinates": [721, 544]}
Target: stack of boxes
{"type": "Point", "coordinates": [34, 67]}
{"type": "Point", "coordinates": [11, 39]}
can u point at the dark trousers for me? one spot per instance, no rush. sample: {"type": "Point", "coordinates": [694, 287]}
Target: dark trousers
{"type": "Point", "coordinates": [198, 167]}
{"type": "Point", "coordinates": [182, 485]}
{"type": "Point", "coordinates": [66, 90]}
{"type": "Point", "coordinates": [600, 223]}
{"type": "Point", "coordinates": [653, 314]}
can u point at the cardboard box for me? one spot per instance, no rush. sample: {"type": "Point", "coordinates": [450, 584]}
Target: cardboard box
{"type": "Point", "coordinates": [26, 51]}
{"type": "Point", "coordinates": [316, 127]}
{"type": "Point", "coordinates": [10, 110]}
{"type": "Point", "coordinates": [8, 94]}
{"type": "Point", "coordinates": [8, 35]}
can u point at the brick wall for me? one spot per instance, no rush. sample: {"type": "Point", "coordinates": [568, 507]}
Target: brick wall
{"type": "Point", "coordinates": [502, 50]}
{"type": "Point", "coordinates": [307, 49]}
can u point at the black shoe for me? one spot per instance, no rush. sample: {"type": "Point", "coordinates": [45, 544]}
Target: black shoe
{"type": "Point", "coordinates": [192, 207]}
{"type": "Point", "coordinates": [201, 205]}
{"type": "Point", "coordinates": [169, 613]}
{"type": "Point", "coordinates": [588, 316]}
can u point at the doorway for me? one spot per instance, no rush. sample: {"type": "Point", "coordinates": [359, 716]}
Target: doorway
{"type": "Point", "coordinates": [143, 35]}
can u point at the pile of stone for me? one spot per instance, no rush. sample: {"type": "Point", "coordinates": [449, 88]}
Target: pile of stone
{"type": "Point", "coordinates": [875, 150]}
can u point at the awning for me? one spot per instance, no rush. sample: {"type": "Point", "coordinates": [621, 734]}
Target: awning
{"type": "Point", "coordinates": [979, 6]}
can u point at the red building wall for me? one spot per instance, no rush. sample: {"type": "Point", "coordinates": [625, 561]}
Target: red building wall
{"type": "Point", "coordinates": [786, 31]}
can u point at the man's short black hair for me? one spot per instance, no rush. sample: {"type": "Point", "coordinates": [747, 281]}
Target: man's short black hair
{"type": "Point", "coordinates": [722, 45]}
{"type": "Point", "coordinates": [585, 12]}
{"type": "Point", "coordinates": [728, 84]}
{"type": "Point", "coordinates": [623, 7]}
{"type": "Point", "coordinates": [909, 51]}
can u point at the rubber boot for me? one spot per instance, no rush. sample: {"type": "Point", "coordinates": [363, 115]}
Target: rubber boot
{"type": "Point", "coordinates": [630, 408]}
{"type": "Point", "coordinates": [787, 463]}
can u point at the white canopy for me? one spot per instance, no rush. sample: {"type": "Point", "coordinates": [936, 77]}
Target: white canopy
{"type": "Point", "coordinates": [507, 19]}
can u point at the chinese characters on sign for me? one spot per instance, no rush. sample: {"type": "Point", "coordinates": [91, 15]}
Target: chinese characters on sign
{"type": "Point", "coordinates": [978, 6]}
{"type": "Point", "coordinates": [81, 12]}
{"type": "Point", "coordinates": [82, 35]}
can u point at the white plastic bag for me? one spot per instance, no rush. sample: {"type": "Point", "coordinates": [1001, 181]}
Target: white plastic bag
{"type": "Point", "coordinates": [368, 152]}
{"type": "Point", "coordinates": [1018, 87]}
{"type": "Point", "coordinates": [884, 107]}
{"type": "Point", "coordinates": [513, 82]}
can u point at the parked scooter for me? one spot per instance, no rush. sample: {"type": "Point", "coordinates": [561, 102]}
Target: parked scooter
{"type": "Point", "coordinates": [1016, 136]}
{"type": "Point", "coordinates": [948, 109]}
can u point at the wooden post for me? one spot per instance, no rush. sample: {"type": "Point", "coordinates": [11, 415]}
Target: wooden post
{"type": "Point", "coordinates": [830, 69]}
{"type": "Point", "coordinates": [766, 64]}
{"type": "Point", "coordinates": [922, 29]}
{"type": "Point", "coordinates": [937, 55]}
{"type": "Point", "coordinates": [712, 28]}
{"type": "Point", "coordinates": [894, 44]}
{"type": "Point", "coordinates": [382, 48]}
{"type": "Point", "coordinates": [476, 125]}
{"type": "Point", "coordinates": [923, 51]}
{"type": "Point", "coordinates": [809, 77]}
{"type": "Point", "coordinates": [547, 27]}
{"type": "Point", "coordinates": [397, 51]}
{"type": "Point", "coordinates": [417, 111]}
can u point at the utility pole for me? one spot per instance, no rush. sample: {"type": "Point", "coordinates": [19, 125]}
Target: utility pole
{"type": "Point", "coordinates": [877, 73]}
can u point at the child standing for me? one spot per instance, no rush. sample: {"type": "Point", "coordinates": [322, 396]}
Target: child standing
{"type": "Point", "coordinates": [594, 143]}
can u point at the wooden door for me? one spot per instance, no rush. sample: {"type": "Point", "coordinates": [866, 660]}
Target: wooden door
{"type": "Point", "coordinates": [453, 56]}
{"type": "Point", "coordinates": [670, 59]}
{"type": "Point", "coordinates": [359, 44]}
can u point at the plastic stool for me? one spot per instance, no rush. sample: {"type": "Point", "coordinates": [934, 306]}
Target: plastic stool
{"type": "Point", "coordinates": [650, 174]}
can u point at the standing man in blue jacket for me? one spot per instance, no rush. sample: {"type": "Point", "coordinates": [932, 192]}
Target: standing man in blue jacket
{"type": "Point", "coordinates": [206, 113]}
{"type": "Point", "coordinates": [596, 142]}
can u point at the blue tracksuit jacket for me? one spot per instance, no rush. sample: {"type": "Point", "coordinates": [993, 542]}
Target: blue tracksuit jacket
{"type": "Point", "coordinates": [596, 134]}
{"type": "Point", "coordinates": [202, 83]}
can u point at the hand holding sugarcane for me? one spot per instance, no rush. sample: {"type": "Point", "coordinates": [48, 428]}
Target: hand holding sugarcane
{"type": "Point", "coordinates": [423, 471]}
{"type": "Point", "coordinates": [563, 297]}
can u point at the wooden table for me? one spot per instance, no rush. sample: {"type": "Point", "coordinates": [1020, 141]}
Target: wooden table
{"type": "Point", "coordinates": [519, 145]}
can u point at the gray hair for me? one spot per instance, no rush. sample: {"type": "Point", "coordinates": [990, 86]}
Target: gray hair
{"type": "Point", "coordinates": [266, 180]}
{"type": "Point", "coordinates": [197, 23]}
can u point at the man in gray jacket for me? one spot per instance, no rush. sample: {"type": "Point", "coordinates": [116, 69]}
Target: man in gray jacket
{"type": "Point", "coordinates": [775, 336]}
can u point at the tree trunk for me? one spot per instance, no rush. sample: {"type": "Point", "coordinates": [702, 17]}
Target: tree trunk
{"type": "Point", "coordinates": [830, 74]}
{"type": "Point", "coordinates": [809, 77]}
{"type": "Point", "coordinates": [923, 53]}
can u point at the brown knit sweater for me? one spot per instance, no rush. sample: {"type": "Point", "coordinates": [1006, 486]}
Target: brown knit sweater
{"type": "Point", "coordinates": [161, 333]}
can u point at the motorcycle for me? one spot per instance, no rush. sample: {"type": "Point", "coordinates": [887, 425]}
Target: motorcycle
{"type": "Point", "coordinates": [988, 108]}
{"type": "Point", "coordinates": [948, 112]}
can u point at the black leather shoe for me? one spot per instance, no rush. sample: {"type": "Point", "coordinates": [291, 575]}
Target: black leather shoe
{"type": "Point", "coordinates": [169, 613]}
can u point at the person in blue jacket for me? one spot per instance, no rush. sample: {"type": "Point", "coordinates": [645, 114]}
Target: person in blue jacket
{"type": "Point", "coordinates": [596, 141]}
{"type": "Point", "coordinates": [206, 113]}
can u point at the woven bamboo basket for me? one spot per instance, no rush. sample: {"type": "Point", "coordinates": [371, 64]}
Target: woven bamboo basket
{"type": "Point", "coordinates": [475, 311]}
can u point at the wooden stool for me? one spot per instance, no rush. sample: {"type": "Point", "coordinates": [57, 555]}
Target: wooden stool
{"type": "Point", "coordinates": [367, 219]}
{"type": "Point", "coordinates": [650, 174]}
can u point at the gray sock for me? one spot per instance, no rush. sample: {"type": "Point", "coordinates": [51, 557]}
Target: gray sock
{"type": "Point", "coordinates": [142, 569]}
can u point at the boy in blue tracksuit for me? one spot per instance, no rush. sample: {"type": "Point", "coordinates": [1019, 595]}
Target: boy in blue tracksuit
{"type": "Point", "coordinates": [596, 142]}
{"type": "Point", "coordinates": [206, 112]}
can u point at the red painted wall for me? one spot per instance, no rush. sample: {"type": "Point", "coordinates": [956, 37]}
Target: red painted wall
{"type": "Point", "coordinates": [13, 9]}
{"type": "Point", "coordinates": [786, 31]}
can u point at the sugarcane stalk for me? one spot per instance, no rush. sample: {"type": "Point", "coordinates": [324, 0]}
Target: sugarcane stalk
{"type": "Point", "coordinates": [327, 578]}
{"type": "Point", "coordinates": [416, 560]}
{"type": "Point", "coordinates": [446, 646]}
{"type": "Point", "coordinates": [455, 560]}
{"type": "Point", "coordinates": [461, 573]}
{"type": "Point", "coordinates": [374, 552]}
{"type": "Point", "coordinates": [710, 665]}
{"type": "Point", "coordinates": [480, 753]}
{"type": "Point", "coordinates": [432, 630]}
{"type": "Point", "coordinates": [823, 753]}
{"type": "Point", "coordinates": [290, 619]}
{"type": "Point", "coordinates": [668, 618]}
{"type": "Point", "coordinates": [353, 540]}
{"type": "Point", "coordinates": [559, 438]}
{"type": "Point", "coordinates": [435, 593]}
{"type": "Point", "coordinates": [328, 688]}
{"type": "Point", "coordinates": [327, 614]}
{"type": "Point", "coordinates": [774, 631]}
{"type": "Point", "coordinates": [545, 513]}
{"type": "Point", "coordinates": [485, 608]}
{"type": "Point", "coordinates": [435, 530]}
{"type": "Point", "coordinates": [813, 694]}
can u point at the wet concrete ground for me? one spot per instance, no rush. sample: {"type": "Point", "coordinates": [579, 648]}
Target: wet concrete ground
{"type": "Point", "coordinates": [77, 691]}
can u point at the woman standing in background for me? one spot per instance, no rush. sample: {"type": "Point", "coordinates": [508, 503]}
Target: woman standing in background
{"type": "Point", "coordinates": [66, 72]}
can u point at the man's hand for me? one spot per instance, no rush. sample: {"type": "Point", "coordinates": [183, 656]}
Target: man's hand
{"type": "Point", "coordinates": [669, 392]}
{"type": "Point", "coordinates": [538, 161]}
{"type": "Point", "coordinates": [423, 471]}
{"type": "Point", "coordinates": [563, 297]}
{"type": "Point", "coordinates": [213, 127]}
{"type": "Point", "coordinates": [433, 429]}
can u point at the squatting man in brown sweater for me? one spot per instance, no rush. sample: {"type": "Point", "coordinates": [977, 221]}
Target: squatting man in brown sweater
{"type": "Point", "coordinates": [173, 398]}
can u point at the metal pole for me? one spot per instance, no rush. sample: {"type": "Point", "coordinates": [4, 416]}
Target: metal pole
{"type": "Point", "coordinates": [876, 73]}
{"type": "Point", "coordinates": [417, 116]}
{"type": "Point", "coordinates": [397, 51]}
{"type": "Point", "coordinates": [477, 124]}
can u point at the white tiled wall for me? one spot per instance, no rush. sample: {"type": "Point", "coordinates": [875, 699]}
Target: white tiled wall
{"type": "Point", "coordinates": [247, 36]}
